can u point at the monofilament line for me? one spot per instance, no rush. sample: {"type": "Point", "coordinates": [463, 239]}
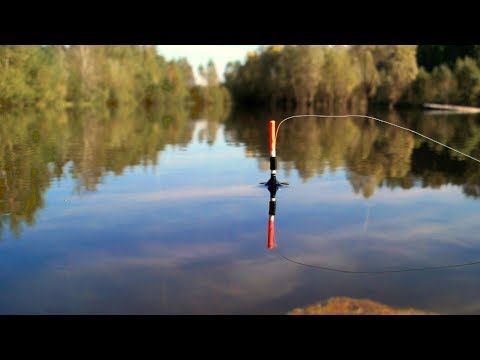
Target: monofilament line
{"type": "Point", "coordinates": [380, 271]}
{"type": "Point", "coordinates": [376, 119]}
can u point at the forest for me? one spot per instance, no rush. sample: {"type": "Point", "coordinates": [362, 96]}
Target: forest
{"type": "Point", "coordinates": [79, 76]}
{"type": "Point", "coordinates": [312, 76]}
{"type": "Point", "coordinates": [303, 77]}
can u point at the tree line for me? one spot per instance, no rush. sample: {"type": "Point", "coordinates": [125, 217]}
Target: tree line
{"type": "Point", "coordinates": [309, 76]}
{"type": "Point", "coordinates": [301, 76]}
{"type": "Point", "coordinates": [104, 75]}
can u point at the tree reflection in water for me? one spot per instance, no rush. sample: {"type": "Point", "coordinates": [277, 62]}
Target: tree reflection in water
{"type": "Point", "coordinates": [39, 148]}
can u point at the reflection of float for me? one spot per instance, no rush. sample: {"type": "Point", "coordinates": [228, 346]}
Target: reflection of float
{"type": "Point", "coordinates": [271, 218]}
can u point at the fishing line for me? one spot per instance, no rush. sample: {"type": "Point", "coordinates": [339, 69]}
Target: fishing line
{"type": "Point", "coordinates": [340, 270]}
{"type": "Point", "coordinates": [376, 119]}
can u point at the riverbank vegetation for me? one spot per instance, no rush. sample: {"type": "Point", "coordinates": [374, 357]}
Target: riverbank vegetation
{"type": "Point", "coordinates": [306, 77]}
{"type": "Point", "coordinates": [56, 76]}
{"type": "Point", "coordinates": [303, 77]}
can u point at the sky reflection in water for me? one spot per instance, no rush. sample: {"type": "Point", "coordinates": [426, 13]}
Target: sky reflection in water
{"type": "Point", "coordinates": [111, 232]}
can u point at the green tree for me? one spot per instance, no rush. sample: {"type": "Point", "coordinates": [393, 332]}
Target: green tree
{"type": "Point", "coordinates": [431, 56]}
{"type": "Point", "coordinates": [468, 76]}
{"type": "Point", "coordinates": [369, 76]}
{"type": "Point", "coordinates": [14, 70]}
{"type": "Point", "coordinates": [444, 84]}
{"type": "Point", "coordinates": [421, 90]}
{"type": "Point", "coordinates": [343, 76]}
{"type": "Point", "coordinates": [211, 75]}
{"type": "Point", "coordinates": [398, 69]}
{"type": "Point", "coordinates": [305, 63]}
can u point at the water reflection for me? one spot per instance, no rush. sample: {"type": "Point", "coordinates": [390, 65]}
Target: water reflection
{"type": "Point", "coordinates": [164, 213]}
{"type": "Point", "coordinates": [39, 149]}
{"type": "Point", "coordinates": [359, 181]}
{"type": "Point", "coordinates": [272, 206]}
{"type": "Point", "coordinates": [272, 244]}
{"type": "Point", "coordinates": [374, 155]}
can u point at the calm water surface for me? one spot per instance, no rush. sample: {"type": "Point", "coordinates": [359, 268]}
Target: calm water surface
{"type": "Point", "coordinates": [153, 213]}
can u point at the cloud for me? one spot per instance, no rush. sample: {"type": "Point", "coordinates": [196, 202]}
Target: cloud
{"type": "Point", "coordinates": [336, 192]}
{"type": "Point", "coordinates": [205, 278]}
{"type": "Point", "coordinates": [102, 203]}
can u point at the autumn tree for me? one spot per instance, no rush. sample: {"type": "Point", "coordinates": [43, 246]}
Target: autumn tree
{"type": "Point", "coordinates": [343, 76]}
{"type": "Point", "coordinates": [369, 77]}
{"type": "Point", "coordinates": [305, 63]}
{"type": "Point", "coordinates": [397, 66]}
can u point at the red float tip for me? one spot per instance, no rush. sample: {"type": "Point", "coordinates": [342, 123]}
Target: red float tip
{"type": "Point", "coordinates": [272, 138]}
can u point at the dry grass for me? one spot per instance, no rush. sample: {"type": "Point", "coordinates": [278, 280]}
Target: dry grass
{"type": "Point", "coordinates": [349, 306]}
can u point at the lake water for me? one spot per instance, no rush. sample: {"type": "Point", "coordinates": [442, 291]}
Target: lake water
{"type": "Point", "coordinates": [156, 213]}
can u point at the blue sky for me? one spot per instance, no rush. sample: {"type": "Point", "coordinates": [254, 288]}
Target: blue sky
{"type": "Point", "coordinates": [200, 54]}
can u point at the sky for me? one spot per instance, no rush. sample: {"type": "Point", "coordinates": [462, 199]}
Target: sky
{"type": "Point", "coordinates": [201, 54]}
